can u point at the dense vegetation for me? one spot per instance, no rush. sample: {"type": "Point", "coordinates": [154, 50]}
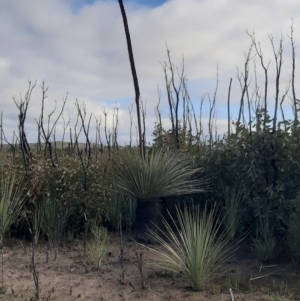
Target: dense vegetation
{"type": "Point", "coordinates": [250, 176]}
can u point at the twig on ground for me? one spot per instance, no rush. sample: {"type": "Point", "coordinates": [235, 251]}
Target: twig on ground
{"type": "Point", "coordinates": [259, 277]}
{"type": "Point", "coordinates": [266, 266]}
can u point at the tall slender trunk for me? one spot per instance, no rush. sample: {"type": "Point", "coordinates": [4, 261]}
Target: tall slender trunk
{"type": "Point", "coordinates": [134, 76]}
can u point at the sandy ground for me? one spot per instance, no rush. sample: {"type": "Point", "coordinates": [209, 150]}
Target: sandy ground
{"type": "Point", "coordinates": [66, 278]}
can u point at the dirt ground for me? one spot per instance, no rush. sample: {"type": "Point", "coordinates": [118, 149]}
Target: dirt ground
{"type": "Point", "coordinates": [67, 279]}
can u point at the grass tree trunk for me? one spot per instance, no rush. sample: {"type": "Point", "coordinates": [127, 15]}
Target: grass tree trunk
{"type": "Point", "coordinates": [146, 217]}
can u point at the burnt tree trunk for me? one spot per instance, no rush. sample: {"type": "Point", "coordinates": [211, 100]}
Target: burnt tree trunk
{"type": "Point", "coordinates": [134, 76]}
{"type": "Point", "coordinates": [146, 217]}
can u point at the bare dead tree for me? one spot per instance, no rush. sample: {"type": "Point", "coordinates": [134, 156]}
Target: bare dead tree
{"type": "Point", "coordinates": [243, 80]}
{"type": "Point", "coordinates": [98, 137]}
{"type": "Point", "coordinates": [170, 97]}
{"type": "Point", "coordinates": [22, 105]}
{"type": "Point", "coordinates": [81, 110]}
{"type": "Point", "coordinates": [130, 130]}
{"type": "Point", "coordinates": [265, 68]}
{"type": "Point", "coordinates": [55, 146]}
{"type": "Point", "coordinates": [278, 62]}
{"type": "Point", "coordinates": [134, 75]}
{"type": "Point", "coordinates": [107, 134]}
{"type": "Point", "coordinates": [65, 126]}
{"type": "Point", "coordinates": [85, 164]}
{"type": "Point", "coordinates": [115, 127]}
{"type": "Point", "coordinates": [177, 91]}
{"type": "Point", "coordinates": [171, 85]}
{"type": "Point", "coordinates": [76, 136]}
{"type": "Point", "coordinates": [284, 94]}
{"type": "Point", "coordinates": [193, 114]}
{"type": "Point", "coordinates": [201, 132]}
{"type": "Point", "coordinates": [257, 91]}
{"type": "Point", "coordinates": [228, 108]}
{"type": "Point", "coordinates": [71, 141]}
{"type": "Point", "coordinates": [212, 110]}
{"type": "Point", "coordinates": [189, 121]}
{"type": "Point", "coordinates": [46, 135]}
{"type": "Point", "coordinates": [249, 101]}
{"type": "Point", "coordinates": [292, 43]}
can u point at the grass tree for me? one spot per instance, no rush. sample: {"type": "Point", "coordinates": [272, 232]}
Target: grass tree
{"type": "Point", "coordinates": [159, 174]}
{"type": "Point", "coordinates": [196, 246]}
{"type": "Point", "coordinates": [12, 200]}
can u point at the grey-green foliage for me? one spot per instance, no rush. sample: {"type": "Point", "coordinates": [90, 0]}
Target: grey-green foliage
{"type": "Point", "coordinates": [197, 247]}
{"type": "Point", "coordinates": [12, 200]}
{"type": "Point", "coordinates": [159, 174]}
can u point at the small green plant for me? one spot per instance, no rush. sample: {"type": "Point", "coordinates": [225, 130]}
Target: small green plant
{"type": "Point", "coordinates": [97, 245]}
{"type": "Point", "coordinates": [264, 244]}
{"type": "Point", "coordinates": [196, 248]}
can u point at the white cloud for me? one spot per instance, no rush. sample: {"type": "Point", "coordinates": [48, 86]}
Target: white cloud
{"type": "Point", "coordinates": [85, 53]}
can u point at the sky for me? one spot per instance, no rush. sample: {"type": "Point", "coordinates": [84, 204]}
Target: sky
{"type": "Point", "coordinates": [78, 48]}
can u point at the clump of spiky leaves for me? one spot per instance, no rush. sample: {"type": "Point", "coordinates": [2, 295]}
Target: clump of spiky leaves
{"type": "Point", "coordinates": [264, 244]}
{"type": "Point", "coordinates": [293, 236]}
{"type": "Point", "coordinates": [97, 245]}
{"type": "Point", "coordinates": [11, 200]}
{"type": "Point", "coordinates": [197, 247]}
{"type": "Point", "coordinates": [160, 174]}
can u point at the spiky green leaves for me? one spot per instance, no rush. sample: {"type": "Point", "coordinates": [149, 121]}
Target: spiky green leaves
{"type": "Point", "coordinates": [159, 174]}
{"type": "Point", "coordinates": [196, 247]}
{"type": "Point", "coordinates": [11, 201]}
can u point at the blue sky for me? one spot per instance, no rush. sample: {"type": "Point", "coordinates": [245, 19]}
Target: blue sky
{"type": "Point", "coordinates": [79, 47]}
{"type": "Point", "coordinates": [78, 4]}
